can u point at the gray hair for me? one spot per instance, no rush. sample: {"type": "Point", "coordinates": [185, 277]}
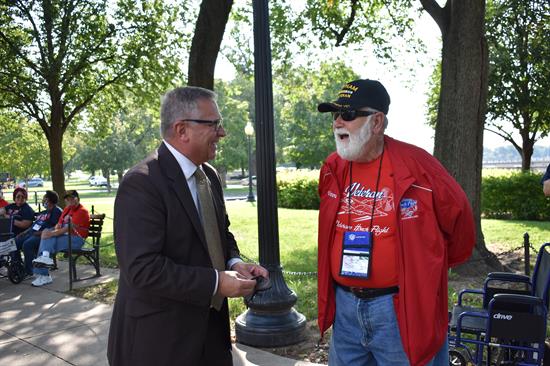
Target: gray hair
{"type": "Point", "coordinates": [385, 117]}
{"type": "Point", "coordinates": [178, 103]}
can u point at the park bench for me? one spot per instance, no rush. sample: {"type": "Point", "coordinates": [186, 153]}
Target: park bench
{"type": "Point", "coordinates": [89, 251]}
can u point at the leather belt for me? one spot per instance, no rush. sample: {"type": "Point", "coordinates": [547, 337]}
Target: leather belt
{"type": "Point", "coordinates": [369, 293]}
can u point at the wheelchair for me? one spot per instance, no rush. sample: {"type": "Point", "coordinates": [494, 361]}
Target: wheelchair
{"type": "Point", "coordinates": [510, 327]}
{"type": "Point", "coordinates": [15, 269]}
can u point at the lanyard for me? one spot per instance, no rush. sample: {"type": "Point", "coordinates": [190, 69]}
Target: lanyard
{"type": "Point", "coordinates": [375, 191]}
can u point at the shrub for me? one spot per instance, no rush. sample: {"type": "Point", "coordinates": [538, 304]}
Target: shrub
{"type": "Point", "coordinates": [517, 196]}
{"type": "Point", "coordinates": [298, 190]}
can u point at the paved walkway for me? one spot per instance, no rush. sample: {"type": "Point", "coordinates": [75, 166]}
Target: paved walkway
{"type": "Point", "coordinates": [46, 327]}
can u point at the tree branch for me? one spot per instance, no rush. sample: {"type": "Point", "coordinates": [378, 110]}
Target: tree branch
{"type": "Point", "coordinates": [340, 36]}
{"type": "Point", "coordinates": [16, 50]}
{"type": "Point", "coordinates": [88, 99]}
{"type": "Point", "coordinates": [36, 32]}
{"type": "Point", "coordinates": [436, 12]}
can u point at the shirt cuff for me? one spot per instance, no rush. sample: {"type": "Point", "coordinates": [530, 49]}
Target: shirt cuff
{"type": "Point", "coordinates": [233, 261]}
{"type": "Point", "coordinates": [216, 286]}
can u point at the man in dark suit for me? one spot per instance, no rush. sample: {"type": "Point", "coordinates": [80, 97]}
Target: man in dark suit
{"type": "Point", "coordinates": [178, 260]}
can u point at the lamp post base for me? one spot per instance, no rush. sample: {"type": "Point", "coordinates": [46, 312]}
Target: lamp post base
{"type": "Point", "coordinates": [270, 330]}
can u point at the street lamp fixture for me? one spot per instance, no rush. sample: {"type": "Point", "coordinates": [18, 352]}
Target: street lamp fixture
{"type": "Point", "coordinates": [249, 132]}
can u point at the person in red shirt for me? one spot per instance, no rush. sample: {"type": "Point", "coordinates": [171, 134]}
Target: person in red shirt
{"type": "Point", "coordinates": [391, 223]}
{"type": "Point", "coordinates": [57, 239]}
{"type": "Point", "coordinates": [3, 202]}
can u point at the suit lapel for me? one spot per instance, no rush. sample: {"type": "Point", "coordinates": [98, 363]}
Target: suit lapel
{"type": "Point", "coordinates": [177, 181]}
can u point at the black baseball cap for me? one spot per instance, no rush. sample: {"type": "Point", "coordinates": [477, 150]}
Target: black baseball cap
{"type": "Point", "coordinates": [72, 193]}
{"type": "Point", "coordinates": [359, 94]}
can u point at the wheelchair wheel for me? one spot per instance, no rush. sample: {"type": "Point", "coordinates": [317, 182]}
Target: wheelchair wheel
{"type": "Point", "coordinates": [16, 272]}
{"type": "Point", "coordinates": [457, 358]}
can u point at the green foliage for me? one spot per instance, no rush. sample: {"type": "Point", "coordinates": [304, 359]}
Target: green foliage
{"type": "Point", "coordinates": [434, 91]}
{"type": "Point", "coordinates": [518, 196]}
{"type": "Point", "coordinates": [57, 57]}
{"type": "Point", "coordinates": [350, 22]}
{"type": "Point", "coordinates": [24, 150]}
{"type": "Point", "coordinates": [235, 100]}
{"type": "Point", "coordinates": [130, 135]}
{"type": "Point", "coordinates": [307, 135]}
{"type": "Point", "coordinates": [519, 72]}
{"type": "Point", "coordinates": [298, 190]}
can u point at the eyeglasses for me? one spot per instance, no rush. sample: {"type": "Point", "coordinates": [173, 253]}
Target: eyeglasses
{"type": "Point", "coordinates": [350, 115]}
{"type": "Point", "coordinates": [19, 196]}
{"type": "Point", "coordinates": [217, 123]}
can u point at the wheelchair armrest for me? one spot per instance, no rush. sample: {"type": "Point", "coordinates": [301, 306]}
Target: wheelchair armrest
{"type": "Point", "coordinates": [516, 299]}
{"type": "Point", "coordinates": [507, 276]}
{"type": "Point", "coordinates": [468, 291]}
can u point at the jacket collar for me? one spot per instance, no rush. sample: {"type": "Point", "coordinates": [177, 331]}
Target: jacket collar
{"type": "Point", "coordinates": [403, 177]}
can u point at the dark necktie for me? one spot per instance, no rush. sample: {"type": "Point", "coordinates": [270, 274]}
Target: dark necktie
{"type": "Point", "coordinates": [211, 229]}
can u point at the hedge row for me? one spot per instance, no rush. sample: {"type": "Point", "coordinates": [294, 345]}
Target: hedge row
{"type": "Point", "coordinates": [517, 196]}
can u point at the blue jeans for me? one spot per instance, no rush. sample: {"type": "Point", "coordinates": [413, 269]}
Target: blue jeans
{"type": "Point", "coordinates": [54, 245]}
{"type": "Point", "coordinates": [29, 243]}
{"type": "Point", "coordinates": [365, 332]}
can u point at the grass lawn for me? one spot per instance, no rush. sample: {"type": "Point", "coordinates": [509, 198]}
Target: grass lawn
{"type": "Point", "coordinates": [298, 243]}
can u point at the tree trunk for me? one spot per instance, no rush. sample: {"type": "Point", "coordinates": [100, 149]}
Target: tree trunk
{"type": "Point", "coordinates": [462, 107]}
{"type": "Point", "coordinates": [206, 43]}
{"type": "Point", "coordinates": [527, 149]}
{"type": "Point", "coordinates": [107, 174]}
{"type": "Point", "coordinates": [55, 142]}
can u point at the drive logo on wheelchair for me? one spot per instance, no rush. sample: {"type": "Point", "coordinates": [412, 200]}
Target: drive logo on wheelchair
{"type": "Point", "coordinates": [502, 316]}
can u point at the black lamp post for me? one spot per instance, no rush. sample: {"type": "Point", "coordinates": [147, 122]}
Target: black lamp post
{"type": "Point", "coordinates": [249, 131]}
{"type": "Point", "coordinates": [271, 320]}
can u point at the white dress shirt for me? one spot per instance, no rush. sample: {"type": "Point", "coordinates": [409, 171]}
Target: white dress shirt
{"type": "Point", "coordinates": [188, 168]}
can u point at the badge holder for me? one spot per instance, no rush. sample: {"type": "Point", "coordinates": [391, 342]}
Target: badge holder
{"type": "Point", "coordinates": [356, 254]}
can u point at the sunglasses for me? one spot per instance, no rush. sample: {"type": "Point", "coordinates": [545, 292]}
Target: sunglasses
{"type": "Point", "coordinates": [217, 123]}
{"type": "Point", "coordinates": [350, 115]}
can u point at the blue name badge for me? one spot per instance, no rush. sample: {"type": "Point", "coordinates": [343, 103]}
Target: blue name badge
{"type": "Point", "coordinates": [356, 252]}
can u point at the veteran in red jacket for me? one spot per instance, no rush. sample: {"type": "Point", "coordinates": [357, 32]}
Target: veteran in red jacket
{"type": "Point", "coordinates": [392, 221]}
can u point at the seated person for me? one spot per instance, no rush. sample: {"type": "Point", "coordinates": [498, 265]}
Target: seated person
{"type": "Point", "coordinates": [3, 203]}
{"type": "Point", "coordinates": [52, 241]}
{"type": "Point", "coordinates": [29, 240]}
{"type": "Point", "coordinates": [20, 211]}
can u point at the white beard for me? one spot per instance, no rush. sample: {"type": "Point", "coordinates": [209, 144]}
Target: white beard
{"type": "Point", "coordinates": [352, 149]}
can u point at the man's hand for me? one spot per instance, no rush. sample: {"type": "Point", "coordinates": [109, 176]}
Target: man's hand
{"type": "Point", "coordinates": [233, 284]}
{"type": "Point", "coordinates": [46, 234]}
{"type": "Point", "coordinates": [250, 270]}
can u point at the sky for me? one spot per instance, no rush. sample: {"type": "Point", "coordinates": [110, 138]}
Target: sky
{"type": "Point", "coordinates": [408, 91]}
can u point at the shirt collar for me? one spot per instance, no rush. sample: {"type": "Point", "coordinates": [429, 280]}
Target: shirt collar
{"type": "Point", "coordinates": [187, 166]}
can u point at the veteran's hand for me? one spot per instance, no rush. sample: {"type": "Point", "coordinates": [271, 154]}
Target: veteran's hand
{"type": "Point", "coordinates": [233, 284]}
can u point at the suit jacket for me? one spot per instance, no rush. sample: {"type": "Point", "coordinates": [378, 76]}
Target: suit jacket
{"type": "Point", "coordinates": [162, 308]}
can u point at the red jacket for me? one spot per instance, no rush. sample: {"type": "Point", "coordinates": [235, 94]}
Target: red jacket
{"type": "Point", "coordinates": [435, 228]}
{"type": "Point", "coordinates": [80, 218]}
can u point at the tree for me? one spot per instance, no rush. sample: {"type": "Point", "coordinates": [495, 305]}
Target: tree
{"type": "Point", "coordinates": [24, 151]}
{"type": "Point", "coordinates": [462, 104]}
{"type": "Point", "coordinates": [58, 56]}
{"type": "Point", "coordinates": [307, 136]}
{"type": "Point", "coordinates": [519, 56]}
{"type": "Point", "coordinates": [112, 154]}
{"type": "Point", "coordinates": [209, 30]}
{"type": "Point", "coordinates": [130, 135]}
{"type": "Point", "coordinates": [236, 101]}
